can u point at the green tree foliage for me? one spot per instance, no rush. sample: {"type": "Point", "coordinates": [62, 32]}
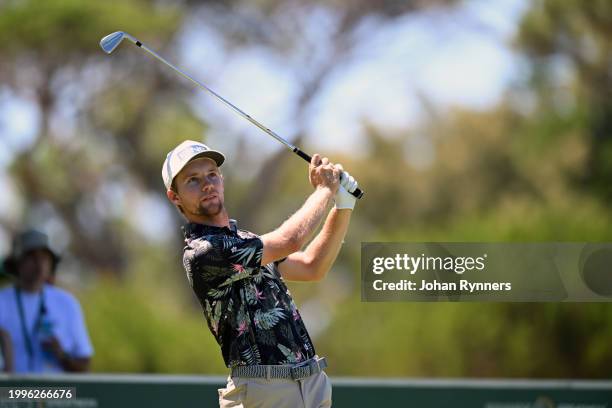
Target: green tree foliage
{"type": "Point", "coordinates": [50, 56]}
{"type": "Point", "coordinates": [138, 330]}
{"type": "Point", "coordinates": [534, 168]}
{"type": "Point", "coordinates": [575, 37]}
{"type": "Point", "coordinates": [61, 31]}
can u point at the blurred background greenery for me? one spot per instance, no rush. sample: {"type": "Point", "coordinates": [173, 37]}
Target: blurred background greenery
{"type": "Point", "coordinates": [534, 164]}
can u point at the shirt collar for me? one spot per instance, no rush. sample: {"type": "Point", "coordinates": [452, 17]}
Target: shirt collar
{"type": "Point", "coordinates": [195, 229]}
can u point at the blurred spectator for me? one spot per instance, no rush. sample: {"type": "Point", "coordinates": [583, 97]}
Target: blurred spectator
{"type": "Point", "coordinates": [42, 324]}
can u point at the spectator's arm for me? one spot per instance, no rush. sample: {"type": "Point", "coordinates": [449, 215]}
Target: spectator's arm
{"type": "Point", "coordinates": [68, 362]}
{"type": "Point", "coordinates": [79, 358]}
{"type": "Point", "coordinates": [6, 347]}
{"type": "Point", "coordinates": [75, 364]}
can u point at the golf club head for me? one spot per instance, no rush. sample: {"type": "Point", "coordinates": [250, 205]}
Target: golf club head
{"type": "Point", "coordinates": [111, 41]}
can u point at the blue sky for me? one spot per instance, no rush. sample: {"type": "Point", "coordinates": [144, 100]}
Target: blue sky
{"type": "Point", "coordinates": [465, 61]}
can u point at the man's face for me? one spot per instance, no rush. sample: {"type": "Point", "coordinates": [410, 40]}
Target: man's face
{"type": "Point", "coordinates": [200, 189]}
{"type": "Point", "coordinates": [34, 269]}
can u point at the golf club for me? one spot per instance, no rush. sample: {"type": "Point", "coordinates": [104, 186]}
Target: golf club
{"type": "Point", "coordinates": [110, 42]}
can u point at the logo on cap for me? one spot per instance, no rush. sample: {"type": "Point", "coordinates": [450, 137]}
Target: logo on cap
{"type": "Point", "coordinates": [189, 151]}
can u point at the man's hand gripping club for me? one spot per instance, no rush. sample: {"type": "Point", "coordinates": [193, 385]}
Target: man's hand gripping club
{"type": "Point", "coordinates": [294, 233]}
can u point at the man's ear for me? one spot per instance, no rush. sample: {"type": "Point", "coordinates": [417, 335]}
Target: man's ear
{"type": "Point", "coordinates": [173, 197]}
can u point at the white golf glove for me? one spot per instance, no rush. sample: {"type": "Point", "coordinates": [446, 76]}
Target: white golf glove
{"type": "Point", "coordinates": [344, 199]}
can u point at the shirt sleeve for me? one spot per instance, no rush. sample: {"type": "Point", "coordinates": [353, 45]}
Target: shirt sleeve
{"type": "Point", "coordinates": [82, 347]}
{"type": "Point", "coordinates": [223, 255]}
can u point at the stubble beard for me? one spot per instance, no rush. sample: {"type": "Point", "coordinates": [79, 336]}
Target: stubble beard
{"type": "Point", "coordinates": [210, 210]}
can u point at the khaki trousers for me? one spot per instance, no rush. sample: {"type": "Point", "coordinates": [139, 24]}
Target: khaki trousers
{"type": "Point", "coordinates": [312, 392]}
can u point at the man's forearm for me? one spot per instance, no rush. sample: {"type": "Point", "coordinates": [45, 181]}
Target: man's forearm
{"type": "Point", "coordinates": [300, 227]}
{"type": "Point", "coordinates": [323, 250]}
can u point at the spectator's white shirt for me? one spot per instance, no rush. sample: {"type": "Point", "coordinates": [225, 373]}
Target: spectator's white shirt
{"type": "Point", "coordinates": [65, 313]}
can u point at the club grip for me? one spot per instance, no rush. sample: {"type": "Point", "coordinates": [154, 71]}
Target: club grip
{"type": "Point", "coordinates": [358, 193]}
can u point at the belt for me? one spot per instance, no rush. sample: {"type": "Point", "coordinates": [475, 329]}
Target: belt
{"type": "Point", "coordinates": [295, 372]}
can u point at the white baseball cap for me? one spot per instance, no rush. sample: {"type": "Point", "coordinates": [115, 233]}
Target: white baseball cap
{"type": "Point", "coordinates": [182, 154]}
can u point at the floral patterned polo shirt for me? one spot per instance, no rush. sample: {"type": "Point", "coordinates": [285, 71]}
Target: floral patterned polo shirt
{"type": "Point", "coordinates": [247, 305]}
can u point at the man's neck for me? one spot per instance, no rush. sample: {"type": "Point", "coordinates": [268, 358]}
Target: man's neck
{"type": "Point", "coordinates": [219, 220]}
{"type": "Point", "coordinates": [30, 288]}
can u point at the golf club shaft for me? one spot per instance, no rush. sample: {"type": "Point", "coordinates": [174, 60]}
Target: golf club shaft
{"type": "Point", "coordinates": [357, 193]}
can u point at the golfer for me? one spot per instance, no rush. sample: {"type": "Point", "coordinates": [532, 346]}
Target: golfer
{"type": "Point", "coordinates": [239, 277]}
